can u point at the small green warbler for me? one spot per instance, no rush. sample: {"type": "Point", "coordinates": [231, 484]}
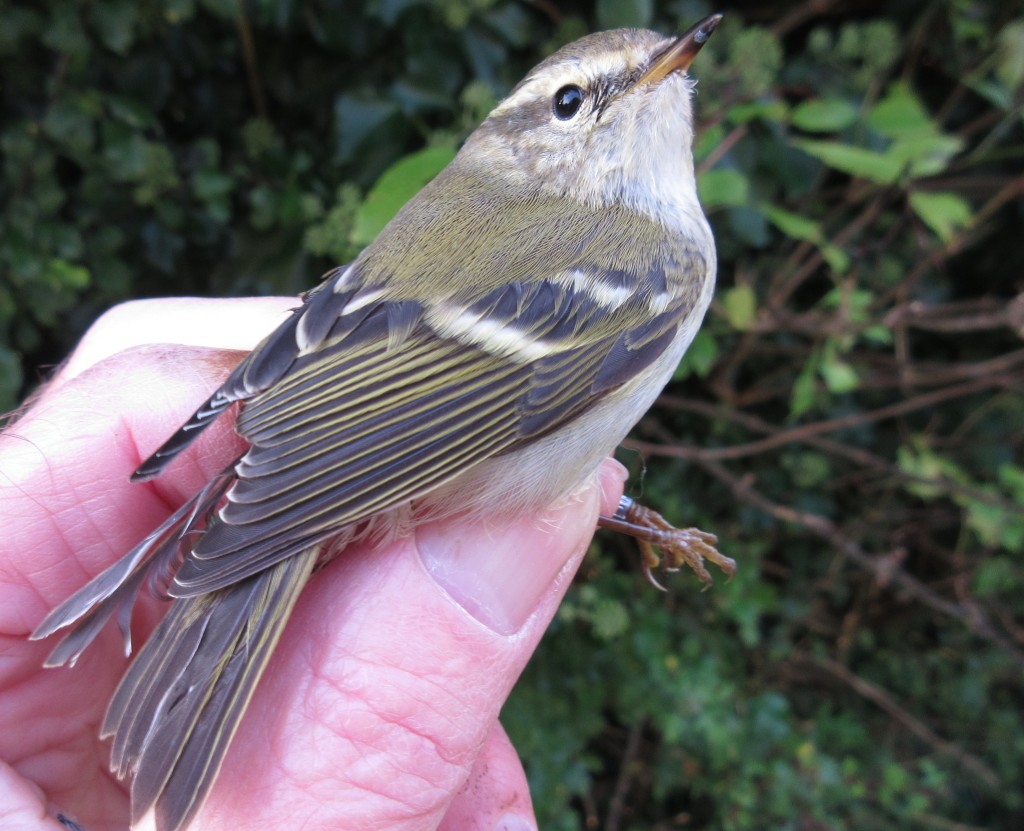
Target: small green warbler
{"type": "Point", "coordinates": [481, 357]}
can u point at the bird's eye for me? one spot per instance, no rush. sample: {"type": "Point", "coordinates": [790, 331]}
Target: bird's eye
{"type": "Point", "coordinates": [568, 101]}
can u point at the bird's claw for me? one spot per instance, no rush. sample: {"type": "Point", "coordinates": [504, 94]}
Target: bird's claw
{"type": "Point", "coordinates": [678, 547]}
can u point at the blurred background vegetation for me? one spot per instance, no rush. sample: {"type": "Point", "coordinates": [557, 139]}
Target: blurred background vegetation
{"type": "Point", "coordinates": [850, 421]}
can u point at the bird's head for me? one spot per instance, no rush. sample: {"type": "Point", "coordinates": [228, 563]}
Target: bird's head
{"type": "Point", "coordinates": [606, 120]}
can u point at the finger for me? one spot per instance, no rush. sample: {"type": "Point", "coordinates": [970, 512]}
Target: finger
{"type": "Point", "coordinates": [385, 686]}
{"type": "Point", "coordinates": [22, 805]}
{"type": "Point", "coordinates": [70, 510]}
{"type": "Point", "coordinates": [495, 796]}
{"type": "Point", "coordinates": [64, 465]}
{"type": "Point", "coordinates": [232, 323]}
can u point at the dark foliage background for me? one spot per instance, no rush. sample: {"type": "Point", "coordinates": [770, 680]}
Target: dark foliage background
{"type": "Point", "coordinates": [849, 422]}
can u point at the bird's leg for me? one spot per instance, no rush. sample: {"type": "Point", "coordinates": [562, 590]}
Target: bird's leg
{"type": "Point", "coordinates": [678, 546]}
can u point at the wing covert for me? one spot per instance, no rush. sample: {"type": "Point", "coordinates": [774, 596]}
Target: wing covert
{"type": "Point", "coordinates": [356, 426]}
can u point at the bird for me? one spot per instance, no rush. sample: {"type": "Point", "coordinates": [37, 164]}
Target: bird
{"type": "Point", "coordinates": [481, 357]}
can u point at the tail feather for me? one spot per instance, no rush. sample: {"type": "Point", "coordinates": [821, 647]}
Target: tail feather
{"type": "Point", "coordinates": [179, 704]}
{"type": "Point", "coordinates": [115, 589]}
{"type": "Point", "coordinates": [120, 599]}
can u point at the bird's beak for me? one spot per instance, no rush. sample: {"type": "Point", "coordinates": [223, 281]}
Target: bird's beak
{"type": "Point", "coordinates": [681, 52]}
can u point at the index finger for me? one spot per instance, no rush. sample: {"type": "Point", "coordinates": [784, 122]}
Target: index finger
{"type": "Point", "coordinates": [70, 509]}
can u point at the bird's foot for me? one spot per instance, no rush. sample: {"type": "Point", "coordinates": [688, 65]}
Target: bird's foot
{"type": "Point", "coordinates": [678, 546]}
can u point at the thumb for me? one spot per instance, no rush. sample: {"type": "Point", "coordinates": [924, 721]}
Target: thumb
{"type": "Point", "coordinates": [22, 805]}
{"type": "Point", "coordinates": [394, 668]}
{"type": "Point", "coordinates": [500, 574]}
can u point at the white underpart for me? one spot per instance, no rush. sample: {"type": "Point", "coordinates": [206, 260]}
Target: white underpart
{"type": "Point", "coordinates": [645, 163]}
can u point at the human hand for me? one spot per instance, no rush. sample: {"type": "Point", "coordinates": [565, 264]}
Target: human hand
{"type": "Point", "coordinates": [379, 708]}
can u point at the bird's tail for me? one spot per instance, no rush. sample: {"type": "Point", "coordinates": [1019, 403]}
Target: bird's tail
{"type": "Point", "coordinates": [180, 701]}
{"type": "Point", "coordinates": [178, 706]}
{"type": "Point", "coordinates": [113, 591]}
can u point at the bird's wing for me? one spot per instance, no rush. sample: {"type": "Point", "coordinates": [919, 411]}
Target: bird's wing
{"type": "Point", "coordinates": [259, 370]}
{"type": "Point", "coordinates": [378, 401]}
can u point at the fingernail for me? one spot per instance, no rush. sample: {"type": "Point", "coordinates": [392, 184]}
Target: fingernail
{"type": "Point", "coordinates": [498, 570]}
{"type": "Point", "coordinates": [610, 477]}
{"type": "Point", "coordinates": [514, 822]}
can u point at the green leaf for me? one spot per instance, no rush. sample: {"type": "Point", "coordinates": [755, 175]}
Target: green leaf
{"type": "Point", "coordinates": [793, 225]}
{"type": "Point", "coordinates": [71, 126]}
{"type": "Point", "coordinates": [357, 119]}
{"type": "Point", "coordinates": [879, 334]}
{"type": "Point", "coordinates": [804, 394]}
{"type": "Point", "coordinates": [838, 375]}
{"type": "Point", "coordinates": [923, 464]}
{"type": "Point", "coordinates": [800, 227]}
{"type": "Point", "coordinates": [158, 173]}
{"type": "Point", "coordinates": [394, 188]}
{"type": "Point", "coordinates": [1010, 55]}
{"type": "Point", "coordinates": [618, 14]}
{"type": "Point", "coordinates": [925, 155]}
{"type": "Point", "coordinates": [64, 275]}
{"type": "Point", "coordinates": [178, 11]}
{"type": "Point", "coordinates": [807, 468]}
{"type": "Point", "coordinates": [756, 56]}
{"type": "Point", "coordinates": [707, 141]}
{"type": "Point", "coordinates": [699, 358]}
{"type": "Point", "coordinates": [824, 115]}
{"type": "Point", "coordinates": [857, 161]}
{"type": "Point", "coordinates": [749, 225]}
{"type": "Point", "coordinates": [995, 576]}
{"type": "Point", "coordinates": [740, 304]}
{"type": "Point", "coordinates": [994, 525]}
{"type": "Point", "coordinates": [211, 184]}
{"type": "Point", "coordinates": [901, 113]}
{"type": "Point", "coordinates": [610, 619]}
{"type": "Point", "coordinates": [945, 212]}
{"type": "Point", "coordinates": [332, 235]}
{"type": "Point", "coordinates": [994, 92]}
{"type": "Point", "coordinates": [723, 187]}
{"type": "Point", "coordinates": [115, 21]}
{"type": "Point", "coordinates": [837, 259]}
{"type": "Point", "coordinates": [131, 111]}
{"type": "Point", "coordinates": [10, 378]}
{"type": "Point", "coordinates": [767, 110]}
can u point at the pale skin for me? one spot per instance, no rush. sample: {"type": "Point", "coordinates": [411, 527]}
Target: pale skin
{"type": "Point", "coordinates": [379, 709]}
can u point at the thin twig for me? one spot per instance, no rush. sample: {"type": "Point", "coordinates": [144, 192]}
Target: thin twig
{"type": "Point", "coordinates": [617, 803]}
{"type": "Point", "coordinates": [946, 824]}
{"type": "Point", "coordinates": [249, 55]}
{"type": "Point", "coordinates": [881, 698]}
{"type": "Point", "coordinates": [805, 431]}
{"type": "Point", "coordinates": [981, 314]}
{"type": "Point", "coordinates": [801, 14]}
{"type": "Point", "coordinates": [1010, 191]}
{"type": "Point", "coordinates": [810, 435]}
{"type": "Point", "coordinates": [723, 147]}
{"type": "Point", "coordinates": [881, 568]}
